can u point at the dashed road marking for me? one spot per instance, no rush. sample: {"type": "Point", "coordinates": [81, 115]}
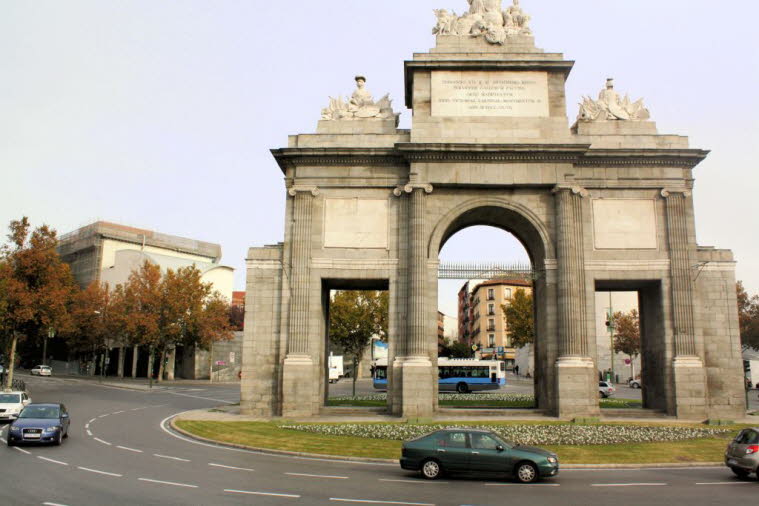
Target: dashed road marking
{"type": "Point", "coordinates": [99, 472]}
{"type": "Point", "coordinates": [628, 484]}
{"type": "Point", "coordinates": [52, 504]}
{"type": "Point", "coordinates": [129, 449]}
{"type": "Point", "coordinates": [522, 485]}
{"type": "Point", "coordinates": [186, 485]}
{"type": "Point", "coordinates": [52, 460]}
{"type": "Point", "coordinates": [117, 412]}
{"type": "Point", "coordinates": [101, 441]}
{"type": "Point", "coordinates": [89, 432]}
{"type": "Point", "coordinates": [250, 492]}
{"type": "Point", "coordinates": [318, 476]}
{"type": "Point", "coordinates": [230, 467]}
{"type": "Point", "coordinates": [170, 457]}
{"type": "Point", "coordinates": [22, 450]}
{"type": "Point", "coordinates": [370, 501]}
{"type": "Point", "coordinates": [103, 416]}
{"type": "Point", "coordinates": [415, 482]}
{"type": "Point", "coordinates": [87, 426]}
{"type": "Point", "coordinates": [725, 483]}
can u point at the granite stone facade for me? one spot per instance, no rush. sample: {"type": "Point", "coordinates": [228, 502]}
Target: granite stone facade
{"type": "Point", "coordinates": [535, 177]}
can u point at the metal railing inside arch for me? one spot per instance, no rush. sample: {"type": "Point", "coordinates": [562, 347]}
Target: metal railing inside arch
{"type": "Point", "coordinates": [488, 271]}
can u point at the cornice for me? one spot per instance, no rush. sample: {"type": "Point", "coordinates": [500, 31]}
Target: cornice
{"type": "Point", "coordinates": [459, 152]}
{"type": "Point", "coordinates": [686, 158]}
{"type": "Point", "coordinates": [293, 157]}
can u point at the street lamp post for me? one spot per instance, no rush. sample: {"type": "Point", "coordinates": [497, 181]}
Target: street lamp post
{"type": "Point", "coordinates": [50, 334]}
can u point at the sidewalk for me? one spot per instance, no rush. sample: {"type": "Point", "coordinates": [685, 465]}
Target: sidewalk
{"type": "Point", "coordinates": [141, 384]}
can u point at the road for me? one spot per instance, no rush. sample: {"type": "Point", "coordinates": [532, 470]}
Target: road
{"type": "Point", "coordinates": [121, 453]}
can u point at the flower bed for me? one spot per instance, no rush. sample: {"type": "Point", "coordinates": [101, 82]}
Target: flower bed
{"type": "Point", "coordinates": [489, 399]}
{"type": "Point", "coordinates": [524, 434]}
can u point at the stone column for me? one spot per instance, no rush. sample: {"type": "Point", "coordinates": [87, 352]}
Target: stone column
{"type": "Point", "coordinates": [297, 377]}
{"type": "Point", "coordinates": [576, 389]}
{"type": "Point", "coordinates": [171, 361]}
{"type": "Point", "coordinates": [689, 373]}
{"type": "Point", "coordinates": [120, 368]}
{"type": "Point", "coordinates": [413, 363]}
{"type": "Point", "coordinates": [135, 356]}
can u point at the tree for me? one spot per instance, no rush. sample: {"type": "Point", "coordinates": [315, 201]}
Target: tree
{"type": "Point", "coordinates": [519, 319]}
{"type": "Point", "coordinates": [237, 317]}
{"type": "Point", "coordinates": [457, 349]}
{"type": "Point", "coordinates": [354, 318]}
{"type": "Point", "coordinates": [627, 336]}
{"type": "Point", "coordinates": [37, 288]}
{"type": "Point", "coordinates": [748, 317]}
{"type": "Point", "coordinates": [98, 316]}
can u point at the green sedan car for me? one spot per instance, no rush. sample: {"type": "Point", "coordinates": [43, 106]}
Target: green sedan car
{"type": "Point", "coordinates": [476, 451]}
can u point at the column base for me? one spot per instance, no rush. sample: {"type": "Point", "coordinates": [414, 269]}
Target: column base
{"type": "Point", "coordinates": [690, 388]}
{"type": "Point", "coordinates": [413, 389]}
{"type": "Point", "coordinates": [577, 388]}
{"type": "Point", "coordinates": [297, 387]}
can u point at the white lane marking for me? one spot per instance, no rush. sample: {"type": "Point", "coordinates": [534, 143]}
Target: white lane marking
{"type": "Point", "coordinates": [3, 440]}
{"type": "Point", "coordinates": [163, 422]}
{"type": "Point", "coordinates": [318, 476]}
{"type": "Point", "coordinates": [628, 484]}
{"type": "Point", "coordinates": [22, 450]}
{"type": "Point", "coordinates": [51, 460]}
{"type": "Point", "coordinates": [170, 457]}
{"type": "Point", "coordinates": [99, 472]}
{"type": "Point", "coordinates": [101, 441]}
{"type": "Point", "coordinates": [369, 501]}
{"type": "Point", "coordinates": [168, 483]}
{"type": "Point", "coordinates": [200, 397]}
{"type": "Point", "coordinates": [415, 482]}
{"type": "Point", "coordinates": [52, 504]}
{"type": "Point", "coordinates": [89, 432]}
{"type": "Point", "coordinates": [103, 416]}
{"type": "Point", "coordinates": [230, 467]}
{"type": "Point", "coordinates": [522, 484]}
{"type": "Point", "coordinates": [129, 449]}
{"type": "Point", "coordinates": [87, 426]}
{"type": "Point", "coordinates": [250, 492]}
{"type": "Point", "coordinates": [91, 421]}
{"type": "Point", "coordinates": [725, 483]}
{"type": "Point", "coordinates": [117, 412]}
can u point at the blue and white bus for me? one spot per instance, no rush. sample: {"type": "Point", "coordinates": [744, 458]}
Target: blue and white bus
{"type": "Point", "coordinates": [460, 375]}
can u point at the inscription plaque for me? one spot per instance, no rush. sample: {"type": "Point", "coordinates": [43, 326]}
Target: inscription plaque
{"type": "Point", "coordinates": [505, 94]}
{"type": "Point", "coordinates": [624, 224]}
{"type": "Point", "coordinates": [355, 223]}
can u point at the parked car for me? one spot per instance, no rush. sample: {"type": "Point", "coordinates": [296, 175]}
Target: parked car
{"type": "Point", "coordinates": [11, 404]}
{"type": "Point", "coordinates": [42, 370]}
{"type": "Point", "coordinates": [40, 423]}
{"type": "Point", "coordinates": [742, 454]}
{"type": "Point", "coordinates": [476, 451]}
{"type": "Point", "coordinates": [635, 383]}
{"type": "Point", "coordinates": [605, 389]}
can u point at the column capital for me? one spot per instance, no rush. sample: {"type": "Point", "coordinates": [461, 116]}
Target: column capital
{"type": "Point", "coordinates": [665, 193]}
{"type": "Point", "coordinates": [410, 187]}
{"type": "Point", "coordinates": [293, 190]}
{"type": "Point", "coordinates": [576, 190]}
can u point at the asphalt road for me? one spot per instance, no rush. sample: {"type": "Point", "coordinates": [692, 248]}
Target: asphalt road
{"type": "Point", "coordinates": [120, 452]}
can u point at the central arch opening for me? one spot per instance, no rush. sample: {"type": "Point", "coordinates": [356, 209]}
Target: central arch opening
{"type": "Point", "coordinates": [491, 300]}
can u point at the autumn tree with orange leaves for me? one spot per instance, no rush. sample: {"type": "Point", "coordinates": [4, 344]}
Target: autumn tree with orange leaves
{"type": "Point", "coordinates": [36, 289]}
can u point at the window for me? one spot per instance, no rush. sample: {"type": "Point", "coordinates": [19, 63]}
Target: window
{"type": "Point", "coordinates": [491, 294]}
{"type": "Point", "coordinates": [491, 324]}
{"type": "Point", "coordinates": [484, 442]}
{"type": "Point", "coordinates": [491, 309]}
{"type": "Point", "coordinates": [507, 293]}
{"type": "Point", "coordinates": [491, 338]}
{"type": "Point", "coordinates": [453, 440]}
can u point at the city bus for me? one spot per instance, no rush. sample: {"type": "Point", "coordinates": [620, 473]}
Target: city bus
{"type": "Point", "coordinates": [460, 375]}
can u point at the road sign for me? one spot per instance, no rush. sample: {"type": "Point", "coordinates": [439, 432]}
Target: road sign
{"type": "Point", "coordinates": [220, 362]}
{"type": "Point", "coordinates": [627, 361]}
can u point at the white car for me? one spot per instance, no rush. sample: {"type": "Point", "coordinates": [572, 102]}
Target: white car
{"type": "Point", "coordinates": [636, 383]}
{"type": "Point", "coordinates": [605, 389]}
{"type": "Point", "coordinates": [11, 404]}
{"type": "Point", "coordinates": [42, 370]}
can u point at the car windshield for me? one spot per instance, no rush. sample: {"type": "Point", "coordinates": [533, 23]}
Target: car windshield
{"type": "Point", "coordinates": [39, 412]}
{"type": "Point", "coordinates": [10, 398]}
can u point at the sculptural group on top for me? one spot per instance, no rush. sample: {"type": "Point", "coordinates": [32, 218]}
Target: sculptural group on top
{"type": "Point", "coordinates": [485, 18]}
{"type": "Point", "coordinates": [361, 105]}
{"type": "Point", "coordinates": [610, 107]}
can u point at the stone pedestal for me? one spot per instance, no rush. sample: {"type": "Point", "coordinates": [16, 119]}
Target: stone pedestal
{"type": "Point", "coordinates": [415, 377]}
{"type": "Point", "coordinates": [120, 368]}
{"type": "Point", "coordinates": [297, 386]}
{"type": "Point", "coordinates": [576, 388]}
{"type": "Point", "coordinates": [690, 388]}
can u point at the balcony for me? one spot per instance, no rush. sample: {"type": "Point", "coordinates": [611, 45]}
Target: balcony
{"type": "Point", "coordinates": [491, 329]}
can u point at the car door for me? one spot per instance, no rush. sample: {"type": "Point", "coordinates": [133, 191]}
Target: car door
{"type": "Point", "coordinates": [486, 456]}
{"type": "Point", "coordinates": [453, 450]}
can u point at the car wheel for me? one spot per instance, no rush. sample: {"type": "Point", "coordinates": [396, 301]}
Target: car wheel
{"type": "Point", "coordinates": [526, 472]}
{"type": "Point", "coordinates": [740, 473]}
{"type": "Point", "coordinates": [58, 439]}
{"type": "Point", "coordinates": [11, 443]}
{"type": "Point", "coordinates": [431, 469]}
{"type": "Point", "coordinates": [462, 388]}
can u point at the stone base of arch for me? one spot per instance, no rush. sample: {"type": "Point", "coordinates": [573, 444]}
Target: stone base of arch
{"type": "Point", "coordinates": [413, 391]}
{"type": "Point", "coordinates": [690, 388]}
{"type": "Point", "coordinates": [297, 387]}
{"type": "Point", "coordinates": [576, 388]}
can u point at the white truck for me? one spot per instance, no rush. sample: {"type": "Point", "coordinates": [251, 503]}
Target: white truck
{"type": "Point", "coordinates": [335, 367]}
{"type": "Point", "coordinates": [752, 372]}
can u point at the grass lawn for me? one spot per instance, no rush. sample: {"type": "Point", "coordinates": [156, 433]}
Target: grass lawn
{"type": "Point", "coordinates": [484, 403]}
{"type": "Point", "coordinates": [270, 435]}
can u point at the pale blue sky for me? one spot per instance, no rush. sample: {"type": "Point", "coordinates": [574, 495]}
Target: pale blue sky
{"type": "Point", "coordinates": [161, 113]}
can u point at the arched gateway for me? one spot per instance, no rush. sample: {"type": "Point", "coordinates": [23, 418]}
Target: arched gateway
{"type": "Point", "coordinates": [603, 205]}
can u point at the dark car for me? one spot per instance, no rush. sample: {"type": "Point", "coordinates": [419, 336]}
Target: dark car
{"type": "Point", "coordinates": [476, 451]}
{"type": "Point", "coordinates": [40, 423]}
{"type": "Point", "coordinates": [742, 454]}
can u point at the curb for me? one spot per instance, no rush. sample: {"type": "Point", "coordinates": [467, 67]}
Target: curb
{"type": "Point", "coordinates": [368, 460]}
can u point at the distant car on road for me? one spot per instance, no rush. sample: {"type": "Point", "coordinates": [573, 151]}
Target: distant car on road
{"type": "Point", "coordinates": [11, 404]}
{"type": "Point", "coordinates": [476, 451]}
{"type": "Point", "coordinates": [40, 423]}
{"type": "Point", "coordinates": [606, 389]}
{"type": "Point", "coordinates": [635, 383]}
{"type": "Point", "coordinates": [42, 370]}
{"type": "Point", "coordinates": [742, 454]}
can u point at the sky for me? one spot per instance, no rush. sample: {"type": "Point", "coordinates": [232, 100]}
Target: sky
{"type": "Point", "coordinates": [161, 114]}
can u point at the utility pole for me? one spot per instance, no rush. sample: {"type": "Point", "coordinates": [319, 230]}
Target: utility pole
{"type": "Point", "coordinates": [50, 334]}
{"type": "Point", "coordinates": [610, 325]}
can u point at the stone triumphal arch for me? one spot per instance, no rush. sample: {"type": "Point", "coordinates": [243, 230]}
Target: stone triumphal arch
{"type": "Point", "coordinates": [602, 205]}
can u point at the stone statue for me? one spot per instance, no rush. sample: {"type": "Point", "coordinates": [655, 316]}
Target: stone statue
{"type": "Point", "coordinates": [611, 107]}
{"type": "Point", "coordinates": [486, 19]}
{"type": "Point", "coordinates": [361, 105]}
